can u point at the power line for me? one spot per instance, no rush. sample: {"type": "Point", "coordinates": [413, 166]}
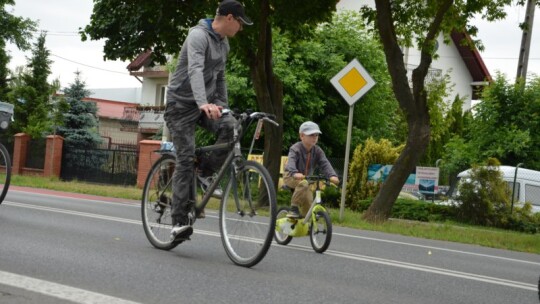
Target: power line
{"type": "Point", "coordinates": [89, 66]}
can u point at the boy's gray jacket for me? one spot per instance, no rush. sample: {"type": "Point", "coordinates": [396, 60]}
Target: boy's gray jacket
{"type": "Point", "coordinates": [200, 73]}
{"type": "Point", "coordinates": [297, 161]}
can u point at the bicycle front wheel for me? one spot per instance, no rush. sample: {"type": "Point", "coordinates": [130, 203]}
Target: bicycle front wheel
{"type": "Point", "coordinates": [281, 237]}
{"type": "Point", "coordinates": [5, 172]}
{"type": "Point", "coordinates": [320, 232]}
{"type": "Point", "coordinates": [156, 203]}
{"type": "Point", "coordinates": [248, 214]}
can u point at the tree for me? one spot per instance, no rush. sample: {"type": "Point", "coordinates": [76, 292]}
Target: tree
{"type": "Point", "coordinates": [80, 121]}
{"type": "Point", "coordinates": [16, 30]}
{"type": "Point", "coordinates": [400, 23]}
{"type": "Point", "coordinates": [32, 95]}
{"type": "Point", "coordinates": [506, 126]}
{"type": "Point", "coordinates": [4, 72]}
{"type": "Point", "coordinates": [132, 27]}
{"type": "Point", "coordinates": [305, 66]}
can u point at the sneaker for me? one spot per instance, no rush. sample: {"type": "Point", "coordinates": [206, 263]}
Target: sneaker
{"type": "Point", "coordinates": [294, 212]}
{"type": "Point", "coordinates": [181, 232]}
{"type": "Point", "coordinates": [205, 182]}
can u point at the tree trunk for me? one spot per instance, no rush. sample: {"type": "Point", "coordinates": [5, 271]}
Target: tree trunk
{"type": "Point", "coordinates": [269, 91]}
{"type": "Point", "coordinates": [418, 139]}
{"type": "Point", "coordinates": [413, 104]}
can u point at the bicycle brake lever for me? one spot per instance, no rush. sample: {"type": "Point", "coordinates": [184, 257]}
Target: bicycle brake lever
{"type": "Point", "coordinates": [270, 121]}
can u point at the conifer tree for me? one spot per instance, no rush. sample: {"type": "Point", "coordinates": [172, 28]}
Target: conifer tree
{"type": "Point", "coordinates": [80, 121]}
{"type": "Point", "coordinates": [32, 94]}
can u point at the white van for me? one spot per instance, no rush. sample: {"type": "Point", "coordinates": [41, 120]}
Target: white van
{"type": "Point", "coordinates": [527, 184]}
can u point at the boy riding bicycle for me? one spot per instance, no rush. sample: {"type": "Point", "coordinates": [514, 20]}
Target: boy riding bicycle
{"type": "Point", "coordinates": [304, 157]}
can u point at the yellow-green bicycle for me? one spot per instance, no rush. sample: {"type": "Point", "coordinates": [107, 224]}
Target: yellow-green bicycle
{"type": "Point", "coordinates": [316, 223]}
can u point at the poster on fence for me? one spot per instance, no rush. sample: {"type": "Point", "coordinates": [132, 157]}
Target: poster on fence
{"type": "Point", "coordinates": [427, 179]}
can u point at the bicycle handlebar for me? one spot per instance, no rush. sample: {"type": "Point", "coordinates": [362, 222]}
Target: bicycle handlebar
{"type": "Point", "coordinates": [319, 177]}
{"type": "Point", "coordinates": [249, 115]}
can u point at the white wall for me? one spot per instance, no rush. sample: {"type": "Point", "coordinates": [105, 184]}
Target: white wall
{"type": "Point", "coordinates": [450, 62]}
{"type": "Point", "coordinates": [150, 90]}
{"type": "Point", "coordinates": [118, 94]}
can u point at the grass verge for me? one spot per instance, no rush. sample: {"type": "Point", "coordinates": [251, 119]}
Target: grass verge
{"type": "Point", "coordinates": [488, 237]}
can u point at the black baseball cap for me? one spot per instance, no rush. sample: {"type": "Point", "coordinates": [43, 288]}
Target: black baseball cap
{"type": "Point", "coordinates": [235, 8]}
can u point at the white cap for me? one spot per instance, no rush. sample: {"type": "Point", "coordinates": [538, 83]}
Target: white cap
{"type": "Point", "coordinates": [309, 128]}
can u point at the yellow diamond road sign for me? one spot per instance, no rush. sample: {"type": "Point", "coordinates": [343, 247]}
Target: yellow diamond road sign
{"type": "Point", "coordinates": [352, 82]}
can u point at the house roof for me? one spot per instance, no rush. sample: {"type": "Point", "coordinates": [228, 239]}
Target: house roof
{"type": "Point", "coordinates": [471, 57]}
{"type": "Point", "coordinates": [110, 108]}
{"type": "Point", "coordinates": [139, 62]}
{"type": "Point", "coordinates": [141, 67]}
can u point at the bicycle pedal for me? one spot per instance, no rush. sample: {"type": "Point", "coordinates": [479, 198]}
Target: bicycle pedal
{"type": "Point", "coordinates": [183, 236]}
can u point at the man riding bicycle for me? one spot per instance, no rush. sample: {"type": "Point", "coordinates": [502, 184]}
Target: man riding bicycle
{"type": "Point", "coordinates": [196, 94]}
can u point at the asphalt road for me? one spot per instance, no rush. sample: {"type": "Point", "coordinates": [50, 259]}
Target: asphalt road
{"type": "Point", "coordinates": [64, 248]}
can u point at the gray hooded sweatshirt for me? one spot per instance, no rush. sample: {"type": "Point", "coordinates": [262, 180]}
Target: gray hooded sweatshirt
{"type": "Point", "coordinates": [200, 74]}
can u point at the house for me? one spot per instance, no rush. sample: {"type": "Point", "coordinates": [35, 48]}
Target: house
{"type": "Point", "coordinates": [118, 123]}
{"type": "Point", "coordinates": [154, 79]}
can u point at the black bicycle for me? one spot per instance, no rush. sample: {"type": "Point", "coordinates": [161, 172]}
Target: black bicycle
{"type": "Point", "coordinates": [247, 208]}
{"type": "Point", "coordinates": [6, 114]}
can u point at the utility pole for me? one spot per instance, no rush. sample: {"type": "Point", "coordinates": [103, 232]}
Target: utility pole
{"type": "Point", "coordinates": [526, 41]}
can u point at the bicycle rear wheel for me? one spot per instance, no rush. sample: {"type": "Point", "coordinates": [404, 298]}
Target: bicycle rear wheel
{"type": "Point", "coordinates": [247, 216]}
{"type": "Point", "coordinates": [156, 203]}
{"type": "Point", "coordinates": [5, 172]}
{"type": "Point", "coordinates": [320, 233]}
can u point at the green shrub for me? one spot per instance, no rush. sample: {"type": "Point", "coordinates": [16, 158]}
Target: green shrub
{"type": "Point", "coordinates": [284, 197]}
{"type": "Point", "coordinates": [372, 152]}
{"type": "Point", "coordinates": [361, 205]}
{"type": "Point", "coordinates": [422, 211]}
{"type": "Point", "coordinates": [484, 196]}
{"type": "Point", "coordinates": [331, 196]}
{"type": "Point", "coordinates": [485, 199]}
{"type": "Point", "coordinates": [414, 210]}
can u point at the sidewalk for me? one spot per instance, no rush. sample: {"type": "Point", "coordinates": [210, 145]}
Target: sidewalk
{"type": "Point", "coordinates": [72, 194]}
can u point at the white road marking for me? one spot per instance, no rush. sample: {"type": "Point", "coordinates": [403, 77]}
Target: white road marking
{"type": "Point", "coordinates": [437, 248]}
{"type": "Point", "coordinates": [60, 291]}
{"type": "Point", "coordinates": [352, 256]}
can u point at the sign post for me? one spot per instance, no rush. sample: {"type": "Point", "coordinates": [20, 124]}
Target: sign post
{"type": "Point", "coordinates": [352, 82]}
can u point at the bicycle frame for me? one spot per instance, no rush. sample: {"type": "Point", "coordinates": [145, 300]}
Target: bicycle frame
{"type": "Point", "coordinates": [233, 157]}
{"type": "Point", "coordinates": [301, 227]}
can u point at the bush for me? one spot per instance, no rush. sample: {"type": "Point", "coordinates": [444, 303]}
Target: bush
{"type": "Point", "coordinates": [284, 197]}
{"type": "Point", "coordinates": [331, 196]}
{"type": "Point", "coordinates": [373, 152]}
{"type": "Point", "coordinates": [484, 196]}
{"type": "Point", "coordinates": [485, 200]}
{"type": "Point", "coordinates": [422, 211]}
{"type": "Point", "coordinates": [361, 205]}
{"type": "Point", "coordinates": [414, 210]}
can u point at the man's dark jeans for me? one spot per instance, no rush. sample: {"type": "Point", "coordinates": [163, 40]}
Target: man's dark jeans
{"type": "Point", "coordinates": [181, 119]}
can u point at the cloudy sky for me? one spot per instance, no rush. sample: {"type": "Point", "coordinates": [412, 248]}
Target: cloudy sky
{"type": "Point", "coordinates": [62, 19]}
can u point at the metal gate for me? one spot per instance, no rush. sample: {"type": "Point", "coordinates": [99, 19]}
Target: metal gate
{"type": "Point", "coordinates": [105, 166]}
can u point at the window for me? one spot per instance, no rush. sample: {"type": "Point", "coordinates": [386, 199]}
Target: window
{"type": "Point", "coordinates": [532, 194]}
{"type": "Point", "coordinates": [162, 95]}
